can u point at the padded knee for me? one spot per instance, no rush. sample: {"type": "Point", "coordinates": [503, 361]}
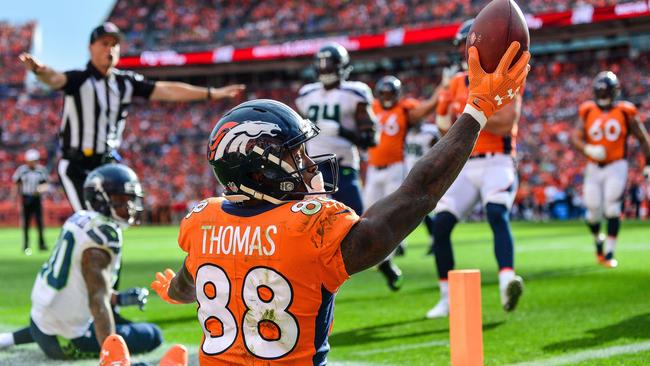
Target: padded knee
{"type": "Point", "coordinates": [613, 208]}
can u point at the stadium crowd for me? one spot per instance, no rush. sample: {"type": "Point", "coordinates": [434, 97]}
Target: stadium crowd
{"type": "Point", "coordinates": [185, 25]}
{"type": "Point", "coordinates": [170, 156]}
{"type": "Point", "coordinates": [14, 39]}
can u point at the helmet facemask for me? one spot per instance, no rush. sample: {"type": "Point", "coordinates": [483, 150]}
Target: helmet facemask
{"type": "Point", "coordinates": [266, 174]}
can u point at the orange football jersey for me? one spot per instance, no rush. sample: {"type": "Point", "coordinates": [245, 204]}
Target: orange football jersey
{"type": "Point", "coordinates": [607, 128]}
{"type": "Point", "coordinates": [454, 102]}
{"type": "Point", "coordinates": [394, 124]}
{"type": "Point", "coordinates": [265, 279]}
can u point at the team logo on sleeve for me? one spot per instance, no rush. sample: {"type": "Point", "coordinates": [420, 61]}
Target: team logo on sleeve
{"type": "Point", "coordinates": [234, 137]}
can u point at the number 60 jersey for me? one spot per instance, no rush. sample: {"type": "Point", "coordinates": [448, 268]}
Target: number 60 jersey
{"type": "Point", "coordinates": [266, 278]}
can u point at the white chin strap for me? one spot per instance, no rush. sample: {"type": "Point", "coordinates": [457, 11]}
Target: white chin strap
{"type": "Point", "coordinates": [317, 183]}
{"type": "Point", "coordinates": [604, 102]}
{"type": "Point", "coordinates": [328, 79]}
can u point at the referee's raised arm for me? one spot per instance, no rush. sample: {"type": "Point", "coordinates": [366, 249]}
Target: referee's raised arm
{"type": "Point", "coordinates": [95, 106]}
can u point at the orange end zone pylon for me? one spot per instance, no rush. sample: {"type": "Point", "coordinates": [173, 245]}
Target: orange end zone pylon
{"type": "Point", "coordinates": [465, 322]}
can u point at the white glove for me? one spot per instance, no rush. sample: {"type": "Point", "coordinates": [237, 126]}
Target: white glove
{"type": "Point", "coordinates": [596, 152]}
{"type": "Point", "coordinates": [646, 172]}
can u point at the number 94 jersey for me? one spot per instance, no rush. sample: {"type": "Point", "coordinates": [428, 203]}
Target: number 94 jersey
{"type": "Point", "coordinates": [332, 108]}
{"type": "Point", "coordinates": [60, 296]}
{"type": "Point", "coordinates": [608, 128]}
{"type": "Point", "coordinates": [266, 278]}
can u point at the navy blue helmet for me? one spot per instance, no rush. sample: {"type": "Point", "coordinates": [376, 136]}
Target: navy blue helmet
{"type": "Point", "coordinates": [114, 191]}
{"type": "Point", "coordinates": [332, 64]}
{"type": "Point", "coordinates": [606, 89]}
{"type": "Point", "coordinates": [248, 149]}
{"type": "Point", "coordinates": [388, 90]}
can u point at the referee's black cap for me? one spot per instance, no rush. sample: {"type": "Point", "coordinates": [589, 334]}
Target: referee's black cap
{"type": "Point", "coordinates": [107, 28]}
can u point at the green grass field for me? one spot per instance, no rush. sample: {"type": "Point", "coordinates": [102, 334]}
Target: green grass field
{"type": "Point", "coordinates": [573, 312]}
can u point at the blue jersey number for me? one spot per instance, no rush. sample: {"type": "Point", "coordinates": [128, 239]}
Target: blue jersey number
{"type": "Point", "coordinates": [56, 270]}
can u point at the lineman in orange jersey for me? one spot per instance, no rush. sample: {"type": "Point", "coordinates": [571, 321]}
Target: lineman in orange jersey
{"type": "Point", "coordinates": [386, 165]}
{"type": "Point", "coordinates": [601, 134]}
{"type": "Point", "coordinates": [489, 176]}
{"type": "Point", "coordinates": [265, 261]}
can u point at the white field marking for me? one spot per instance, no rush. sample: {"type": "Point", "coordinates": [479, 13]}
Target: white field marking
{"type": "Point", "coordinates": [597, 354]}
{"type": "Point", "coordinates": [402, 348]}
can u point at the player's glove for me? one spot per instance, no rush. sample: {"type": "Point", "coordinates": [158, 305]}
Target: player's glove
{"type": "Point", "coordinates": [490, 92]}
{"type": "Point", "coordinates": [133, 296]}
{"type": "Point", "coordinates": [646, 172]}
{"type": "Point", "coordinates": [596, 152]}
{"type": "Point", "coordinates": [162, 283]}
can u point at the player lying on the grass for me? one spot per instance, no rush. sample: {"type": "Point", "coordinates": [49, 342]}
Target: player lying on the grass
{"type": "Point", "coordinates": [71, 298]}
{"type": "Point", "coordinates": [601, 134]}
{"type": "Point", "coordinates": [265, 262]}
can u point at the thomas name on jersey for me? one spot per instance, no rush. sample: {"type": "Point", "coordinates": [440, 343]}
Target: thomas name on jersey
{"type": "Point", "coordinates": [235, 240]}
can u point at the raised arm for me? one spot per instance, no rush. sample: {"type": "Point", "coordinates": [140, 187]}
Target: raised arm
{"type": "Point", "coordinates": [639, 131]}
{"type": "Point", "coordinates": [95, 267]}
{"type": "Point", "coordinates": [44, 73]}
{"type": "Point", "coordinates": [425, 108]}
{"type": "Point", "coordinates": [392, 218]}
{"type": "Point", "coordinates": [172, 91]}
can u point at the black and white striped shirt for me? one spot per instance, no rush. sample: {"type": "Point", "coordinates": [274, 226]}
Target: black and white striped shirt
{"type": "Point", "coordinates": [30, 179]}
{"type": "Point", "coordinates": [95, 109]}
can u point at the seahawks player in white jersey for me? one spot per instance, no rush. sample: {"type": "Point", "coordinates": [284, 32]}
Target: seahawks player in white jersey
{"type": "Point", "coordinates": [71, 297]}
{"type": "Point", "coordinates": [342, 110]}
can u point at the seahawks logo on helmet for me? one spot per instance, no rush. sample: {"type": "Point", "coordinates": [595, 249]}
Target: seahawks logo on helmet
{"type": "Point", "coordinates": [235, 137]}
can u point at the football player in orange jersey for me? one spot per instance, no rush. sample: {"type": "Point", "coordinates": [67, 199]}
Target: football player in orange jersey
{"type": "Point", "coordinates": [601, 134]}
{"type": "Point", "coordinates": [265, 261]}
{"type": "Point", "coordinates": [386, 165]}
{"type": "Point", "coordinates": [489, 176]}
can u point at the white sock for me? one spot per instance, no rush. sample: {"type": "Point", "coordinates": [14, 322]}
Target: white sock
{"type": "Point", "coordinates": [610, 244]}
{"type": "Point", "coordinates": [6, 340]}
{"type": "Point", "coordinates": [505, 276]}
{"type": "Point", "coordinates": [443, 286]}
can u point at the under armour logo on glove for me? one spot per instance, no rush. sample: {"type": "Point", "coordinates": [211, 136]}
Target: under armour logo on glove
{"type": "Point", "coordinates": [499, 99]}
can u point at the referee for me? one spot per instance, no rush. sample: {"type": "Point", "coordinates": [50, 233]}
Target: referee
{"type": "Point", "coordinates": [95, 106]}
{"type": "Point", "coordinates": [31, 180]}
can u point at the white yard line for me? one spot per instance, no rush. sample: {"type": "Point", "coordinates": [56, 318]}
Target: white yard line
{"type": "Point", "coordinates": [597, 354]}
{"type": "Point", "coordinates": [402, 348]}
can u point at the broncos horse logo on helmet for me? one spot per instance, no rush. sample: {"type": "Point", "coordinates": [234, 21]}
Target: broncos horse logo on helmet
{"type": "Point", "coordinates": [248, 149]}
{"type": "Point", "coordinates": [235, 137]}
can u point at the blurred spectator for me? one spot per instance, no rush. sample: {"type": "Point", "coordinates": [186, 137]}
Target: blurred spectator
{"type": "Point", "coordinates": [14, 40]}
{"type": "Point", "coordinates": [191, 25]}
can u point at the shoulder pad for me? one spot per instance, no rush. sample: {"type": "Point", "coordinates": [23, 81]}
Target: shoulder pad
{"type": "Point", "coordinates": [106, 235]}
{"type": "Point", "coordinates": [308, 88]}
{"type": "Point", "coordinates": [359, 88]}
{"type": "Point", "coordinates": [585, 108]}
{"type": "Point", "coordinates": [409, 103]}
{"type": "Point", "coordinates": [308, 213]}
{"type": "Point", "coordinates": [627, 107]}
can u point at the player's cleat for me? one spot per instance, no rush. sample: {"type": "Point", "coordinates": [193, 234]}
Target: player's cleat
{"type": "Point", "coordinates": [441, 309]}
{"type": "Point", "coordinates": [393, 275]}
{"type": "Point", "coordinates": [28, 251]}
{"type": "Point", "coordinates": [511, 293]}
{"type": "Point", "coordinates": [6, 340]}
{"type": "Point", "coordinates": [609, 261]}
{"type": "Point", "coordinates": [114, 352]}
{"type": "Point", "coordinates": [175, 356]}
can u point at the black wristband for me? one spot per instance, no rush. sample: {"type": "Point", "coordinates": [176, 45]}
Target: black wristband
{"type": "Point", "coordinates": [209, 97]}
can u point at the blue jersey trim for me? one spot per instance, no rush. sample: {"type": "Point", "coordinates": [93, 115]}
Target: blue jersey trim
{"type": "Point", "coordinates": [322, 328]}
{"type": "Point", "coordinates": [242, 211]}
